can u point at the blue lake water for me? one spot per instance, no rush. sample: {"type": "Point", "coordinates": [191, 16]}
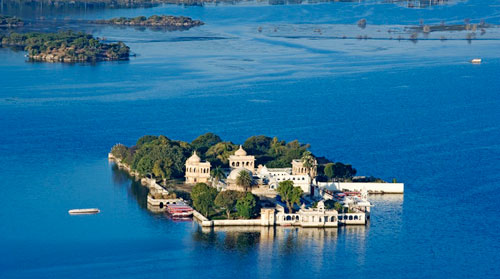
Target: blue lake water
{"type": "Point", "coordinates": [417, 111]}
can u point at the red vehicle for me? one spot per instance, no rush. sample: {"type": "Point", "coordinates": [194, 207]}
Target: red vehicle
{"type": "Point", "coordinates": [358, 194]}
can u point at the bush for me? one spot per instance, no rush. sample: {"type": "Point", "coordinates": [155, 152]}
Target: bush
{"type": "Point", "coordinates": [248, 206]}
{"type": "Point", "coordinates": [203, 197]}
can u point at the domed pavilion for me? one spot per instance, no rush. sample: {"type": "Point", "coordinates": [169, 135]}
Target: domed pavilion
{"type": "Point", "coordinates": [196, 170]}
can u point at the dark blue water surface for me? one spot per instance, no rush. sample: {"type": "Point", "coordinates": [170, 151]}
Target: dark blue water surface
{"type": "Point", "coordinates": [417, 111]}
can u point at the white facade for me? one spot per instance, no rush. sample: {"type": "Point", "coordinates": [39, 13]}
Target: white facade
{"type": "Point", "coordinates": [196, 170]}
{"type": "Point", "coordinates": [275, 176]}
{"type": "Point", "coordinates": [240, 159]}
{"type": "Point", "coordinates": [371, 187]}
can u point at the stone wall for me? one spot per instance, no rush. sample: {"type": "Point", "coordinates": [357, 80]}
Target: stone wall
{"type": "Point", "coordinates": [371, 187]}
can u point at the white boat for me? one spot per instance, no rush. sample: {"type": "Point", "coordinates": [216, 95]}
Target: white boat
{"type": "Point", "coordinates": [476, 61]}
{"type": "Point", "coordinates": [84, 211]}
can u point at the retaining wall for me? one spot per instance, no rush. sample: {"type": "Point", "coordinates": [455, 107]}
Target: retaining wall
{"type": "Point", "coordinates": [371, 187]}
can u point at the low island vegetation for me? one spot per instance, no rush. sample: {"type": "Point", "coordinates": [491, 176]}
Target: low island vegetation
{"type": "Point", "coordinates": [65, 46]}
{"type": "Point", "coordinates": [225, 189]}
{"type": "Point", "coordinates": [163, 158]}
{"type": "Point", "coordinates": [167, 21]}
{"type": "Point", "coordinates": [227, 204]}
{"type": "Point", "coordinates": [10, 21]}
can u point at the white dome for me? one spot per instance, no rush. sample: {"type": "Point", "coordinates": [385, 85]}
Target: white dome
{"type": "Point", "coordinates": [240, 152]}
{"type": "Point", "coordinates": [194, 158]}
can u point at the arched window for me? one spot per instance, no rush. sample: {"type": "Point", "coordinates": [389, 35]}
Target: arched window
{"type": "Point", "coordinates": [350, 217]}
{"type": "Point", "coordinates": [332, 219]}
{"type": "Point", "coordinates": [356, 217]}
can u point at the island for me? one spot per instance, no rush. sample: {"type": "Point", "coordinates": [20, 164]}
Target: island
{"type": "Point", "coordinates": [10, 22]}
{"type": "Point", "coordinates": [167, 21]}
{"type": "Point", "coordinates": [65, 46]}
{"type": "Point", "coordinates": [263, 182]}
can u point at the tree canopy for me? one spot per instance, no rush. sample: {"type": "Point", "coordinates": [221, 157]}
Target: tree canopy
{"type": "Point", "coordinates": [289, 194]}
{"type": "Point", "coordinates": [339, 170]}
{"type": "Point", "coordinates": [165, 158]}
{"type": "Point", "coordinates": [227, 200]}
{"type": "Point", "coordinates": [244, 179]}
{"type": "Point", "coordinates": [203, 197]}
{"type": "Point", "coordinates": [65, 46]}
{"type": "Point", "coordinates": [248, 205]}
{"type": "Point", "coordinates": [205, 141]}
{"type": "Point", "coordinates": [217, 174]}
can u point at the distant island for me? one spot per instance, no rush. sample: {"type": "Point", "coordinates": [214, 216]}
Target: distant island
{"type": "Point", "coordinates": [65, 46]}
{"type": "Point", "coordinates": [10, 21]}
{"type": "Point", "coordinates": [174, 22]}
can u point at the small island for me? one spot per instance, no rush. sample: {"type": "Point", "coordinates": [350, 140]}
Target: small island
{"type": "Point", "coordinates": [10, 22]}
{"type": "Point", "coordinates": [65, 46]}
{"type": "Point", "coordinates": [263, 182]}
{"type": "Point", "coordinates": [167, 21]}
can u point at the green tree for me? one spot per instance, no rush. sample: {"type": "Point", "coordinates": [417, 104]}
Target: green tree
{"type": "Point", "coordinates": [341, 170]}
{"type": "Point", "coordinates": [158, 170]}
{"type": "Point", "coordinates": [247, 205]}
{"type": "Point", "coordinates": [227, 200]}
{"type": "Point", "coordinates": [145, 165]}
{"type": "Point", "coordinates": [339, 207]}
{"type": "Point", "coordinates": [257, 145]}
{"type": "Point", "coordinates": [120, 151]}
{"type": "Point", "coordinates": [217, 174]}
{"type": "Point", "coordinates": [289, 194]}
{"type": "Point", "coordinates": [219, 153]}
{"type": "Point", "coordinates": [244, 179]}
{"type": "Point", "coordinates": [163, 168]}
{"type": "Point", "coordinates": [205, 141]}
{"type": "Point", "coordinates": [309, 162]}
{"type": "Point", "coordinates": [203, 197]}
{"type": "Point", "coordinates": [329, 170]}
{"type": "Point", "coordinates": [145, 139]}
{"type": "Point", "coordinates": [277, 147]}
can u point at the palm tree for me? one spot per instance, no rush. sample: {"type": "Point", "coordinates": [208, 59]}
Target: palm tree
{"type": "Point", "coordinates": [276, 147]}
{"type": "Point", "coordinates": [217, 175]}
{"type": "Point", "coordinates": [309, 162]}
{"type": "Point", "coordinates": [244, 179]}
